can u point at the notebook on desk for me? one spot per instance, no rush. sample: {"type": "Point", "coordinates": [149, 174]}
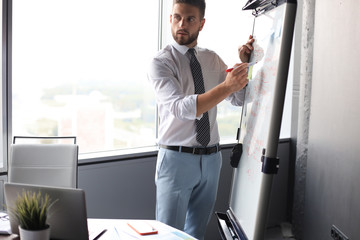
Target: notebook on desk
{"type": "Point", "coordinates": [67, 217]}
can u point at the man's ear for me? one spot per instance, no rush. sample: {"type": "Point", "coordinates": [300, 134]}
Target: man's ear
{"type": "Point", "coordinates": [202, 24]}
{"type": "Point", "coordinates": [170, 18]}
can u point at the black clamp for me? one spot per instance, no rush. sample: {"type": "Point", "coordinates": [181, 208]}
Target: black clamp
{"type": "Point", "coordinates": [260, 6]}
{"type": "Point", "coordinates": [269, 165]}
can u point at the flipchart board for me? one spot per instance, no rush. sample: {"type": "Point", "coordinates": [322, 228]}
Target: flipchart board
{"type": "Point", "coordinates": [261, 119]}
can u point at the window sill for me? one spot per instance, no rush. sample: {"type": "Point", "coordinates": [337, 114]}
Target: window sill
{"type": "Point", "coordinates": [117, 155]}
{"type": "Point", "coordinates": [133, 153]}
{"type": "Point", "coordinates": [126, 154]}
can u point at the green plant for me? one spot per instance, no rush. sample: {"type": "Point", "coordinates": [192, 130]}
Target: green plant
{"type": "Point", "coordinates": [31, 210]}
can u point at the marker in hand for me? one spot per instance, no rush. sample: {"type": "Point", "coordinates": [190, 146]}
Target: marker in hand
{"type": "Point", "coordinates": [230, 69]}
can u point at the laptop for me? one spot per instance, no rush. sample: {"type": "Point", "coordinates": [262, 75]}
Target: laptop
{"type": "Point", "coordinates": [67, 217]}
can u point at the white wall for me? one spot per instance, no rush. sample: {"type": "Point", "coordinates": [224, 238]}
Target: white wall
{"type": "Point", "coordinates": [332, 193]}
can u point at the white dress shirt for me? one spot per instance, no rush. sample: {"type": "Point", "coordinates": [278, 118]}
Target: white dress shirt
{"type": "Point", "coordinates": [170, 74]}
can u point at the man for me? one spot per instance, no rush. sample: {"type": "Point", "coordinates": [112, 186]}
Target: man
{"type": "Point", "coordinates": [189, 82]}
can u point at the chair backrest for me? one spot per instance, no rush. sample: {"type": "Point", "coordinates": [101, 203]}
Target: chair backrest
{"type": "Point", "coordinates": [44, 164]}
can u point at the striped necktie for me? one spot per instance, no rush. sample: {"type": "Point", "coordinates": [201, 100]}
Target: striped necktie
{"type": "Point", "coordinates": [202, 125]}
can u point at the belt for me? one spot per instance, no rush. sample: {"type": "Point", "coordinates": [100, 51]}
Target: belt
{"type": "Point", "coordinates": [195, 150]}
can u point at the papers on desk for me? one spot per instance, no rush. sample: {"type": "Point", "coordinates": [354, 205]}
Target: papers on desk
{"type": "Point", "coordinates": [121, 230]}
{"type": "Point", "coordinates": [4, 224]}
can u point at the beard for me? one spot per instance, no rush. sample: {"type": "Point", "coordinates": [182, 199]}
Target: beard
{"type": "Point", "coordinates": [187, 39]}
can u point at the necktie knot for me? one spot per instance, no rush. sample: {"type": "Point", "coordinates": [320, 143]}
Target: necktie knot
{"type": "Point", "coordinates": [193, 59]}
{"type": "Point", "coordinates": [192, 52]}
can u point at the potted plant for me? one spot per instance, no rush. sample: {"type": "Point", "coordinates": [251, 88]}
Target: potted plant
{"type": "Point", "coordinates": [31, 210]}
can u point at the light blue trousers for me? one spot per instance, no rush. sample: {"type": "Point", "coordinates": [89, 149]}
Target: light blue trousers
{"type": "Point", "coordinates": [186, 188]}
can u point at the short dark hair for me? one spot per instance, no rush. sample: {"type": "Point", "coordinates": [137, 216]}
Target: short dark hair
{"type": "Point", "coordinates": [200, 4]}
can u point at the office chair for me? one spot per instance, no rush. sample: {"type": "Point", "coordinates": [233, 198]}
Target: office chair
{"type": "Point", "coordinates": [44, 164]}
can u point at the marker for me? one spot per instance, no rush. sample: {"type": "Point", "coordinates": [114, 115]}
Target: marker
{"type": "Point", "coordinates": [100, 234]}
{"type": "Point", "coordinates": [230, 69]}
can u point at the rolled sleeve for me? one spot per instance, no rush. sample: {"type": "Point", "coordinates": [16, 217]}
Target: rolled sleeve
{"type": "Point", "coordinates": [169, 94]}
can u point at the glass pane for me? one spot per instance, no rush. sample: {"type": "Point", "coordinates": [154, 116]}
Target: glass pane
{"type": "Point", "coordinates": [226, 29]}
{"type": "Point", "coordinates": [79, 69]}
{"type": "Point", "coordinates": [224, 35]}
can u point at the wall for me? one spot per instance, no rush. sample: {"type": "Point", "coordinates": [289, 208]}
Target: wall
{"type": "Point", "coordinates": [303, 51]}
{"type": "Point", "coordinates": [332, 192]}
{"type": "Point", "coordinates": [125, 189]}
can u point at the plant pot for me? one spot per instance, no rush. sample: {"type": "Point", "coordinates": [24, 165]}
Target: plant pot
{"type": "Point", "coordinates": [34, 234]}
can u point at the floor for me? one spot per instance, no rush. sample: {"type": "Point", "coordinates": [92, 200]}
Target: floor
{"type": "Point", "coordinates": [280, 232]}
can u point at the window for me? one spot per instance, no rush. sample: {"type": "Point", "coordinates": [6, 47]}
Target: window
{"type": "Point", "coordinates": [224, 33]}
{"type": "Point", "coordinates": [79, 69]}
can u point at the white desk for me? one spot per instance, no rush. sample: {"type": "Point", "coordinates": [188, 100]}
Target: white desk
{"type": "Point", "coordinates": [123, 231]}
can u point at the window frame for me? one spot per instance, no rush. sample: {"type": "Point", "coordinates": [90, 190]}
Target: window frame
{"type": "Point", "coordinates": [6, 82]}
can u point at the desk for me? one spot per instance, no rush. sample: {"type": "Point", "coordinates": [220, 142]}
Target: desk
{"type": "Point", "coordinates": [123, 231]}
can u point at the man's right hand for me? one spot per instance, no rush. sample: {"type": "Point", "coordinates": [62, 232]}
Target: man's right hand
{"type": "Point", "coordinates": [237, 78]}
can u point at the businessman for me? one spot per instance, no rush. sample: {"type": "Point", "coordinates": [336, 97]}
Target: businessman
{"type": "Point", "coordinates": [189, 82]}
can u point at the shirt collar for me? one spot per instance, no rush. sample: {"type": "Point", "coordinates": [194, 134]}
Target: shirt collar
{"type": "Point", "coordinates": [182, 48]}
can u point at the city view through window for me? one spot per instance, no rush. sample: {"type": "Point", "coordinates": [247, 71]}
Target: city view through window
{"type": "Point", "coordinates": [79, 68]}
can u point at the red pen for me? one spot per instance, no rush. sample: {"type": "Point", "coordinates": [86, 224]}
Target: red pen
{"type": "Point", "coordinates": [230, 69]}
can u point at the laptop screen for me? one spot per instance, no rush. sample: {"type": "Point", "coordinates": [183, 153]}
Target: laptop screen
{"type": "Point", "coordinates": [67, 217]}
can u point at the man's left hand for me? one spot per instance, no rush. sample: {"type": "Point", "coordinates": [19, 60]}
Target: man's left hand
{"type": "Point", "coordinates": [246, 49]}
